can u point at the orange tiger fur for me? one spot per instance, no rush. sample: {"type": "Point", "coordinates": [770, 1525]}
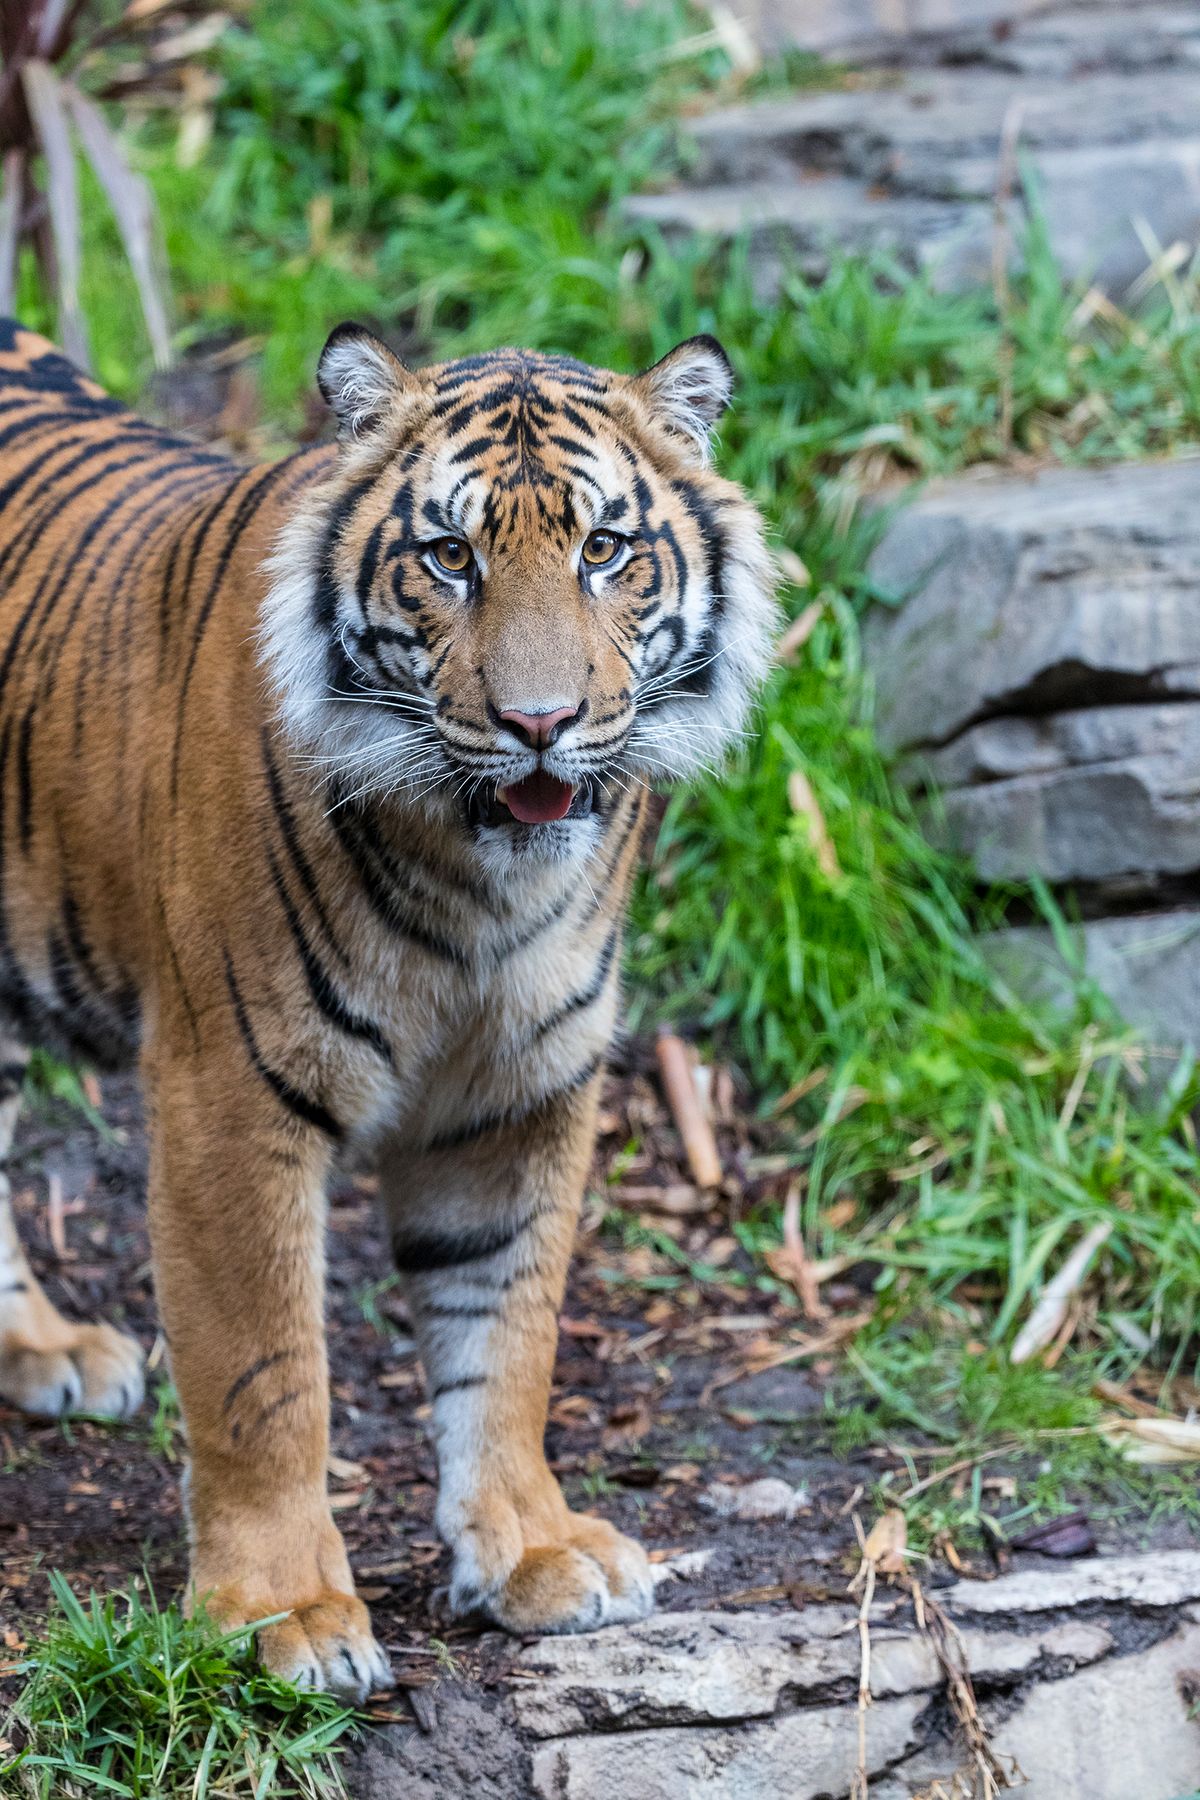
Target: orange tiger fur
{"type": "Point", "coordinates": [321, 786]}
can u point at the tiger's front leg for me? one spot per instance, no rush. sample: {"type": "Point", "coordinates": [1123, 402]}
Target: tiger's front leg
{"type": "Point", "coordinates": [237, 1214]}
{"type": "Point", "coordinates": [482, 1227]}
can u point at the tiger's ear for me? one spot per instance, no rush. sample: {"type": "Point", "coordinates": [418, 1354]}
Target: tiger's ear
{"type": "Point", "coordinates": [689, 389]}
{"type": "Point", "coordinates": [360, 379]}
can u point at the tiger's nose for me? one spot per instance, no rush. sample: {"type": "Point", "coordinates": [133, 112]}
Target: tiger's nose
{"type": "Point", "coordinates": [540, 730]}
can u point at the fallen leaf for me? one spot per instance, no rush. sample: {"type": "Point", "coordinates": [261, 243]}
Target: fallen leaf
{"type": "Point", "coordinates": [1047, 1317]}
{"type": "Point", "coordinates": [678, 1198]}
{"type": "Point", "coordinates": [887, 1543]}
{"type": "Point", "coordinates": [1071, 1535]}
{"type": "Point", "coordinates": [797, 634]}
{"type": "Point", "coordinates": [342, 1470]}
{"type": "Point", "coordinates": [1154, 1440]}
{"type": "Point", "coordinates": [687, 1110]}
{"type": "Point", "coordinates": [803, 802]}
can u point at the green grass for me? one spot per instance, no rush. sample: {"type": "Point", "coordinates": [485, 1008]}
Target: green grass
{"type": "Point", "coordinates": [128, 1699]}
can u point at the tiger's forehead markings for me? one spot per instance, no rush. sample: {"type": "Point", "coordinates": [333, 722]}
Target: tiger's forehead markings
{"type": "Point", "coordinates": [505, 415]}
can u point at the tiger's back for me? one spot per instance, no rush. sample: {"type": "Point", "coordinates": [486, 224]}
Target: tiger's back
{"type": "Point", "coordinates": [121, 549]}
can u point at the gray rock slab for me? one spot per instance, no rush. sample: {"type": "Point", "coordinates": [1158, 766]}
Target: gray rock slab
{"type": "Point", "coordinates": [1066, 588]}
{"type": "Point", "coordinates": [1113, 1732]}
{"type": "Point", "coordinates": [1167, 1578]}
{"type": "Point", "coordinates": [696, 1668]}
{"type": "Point", "coordinates": [882, 26]}
{"type": "Point", "coordinates": [907, 135]}
{"type": "Point", "coordinates": [807, 220]}
{"type": "Point", "coordinates": [1100, 99]}
{"type": "Point", "coordinates": [803, 1756]}
{"type": "Point", "coordinates": [1117, 1731]}
{"type": "Point", "coordinates": [1148, 964]}
{"type": "Point", "coordinates": [1094, 795]}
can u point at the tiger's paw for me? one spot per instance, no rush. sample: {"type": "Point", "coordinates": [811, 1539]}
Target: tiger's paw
{"type": "Point", "coordinates": [325, 1644]}
{"type": "Point", "coordinates": [595, 1577]}
{"type": "Point", "coordinates": [92, 1369]}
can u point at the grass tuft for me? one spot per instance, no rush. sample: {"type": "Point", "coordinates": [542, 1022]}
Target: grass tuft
{"type": "Point", "coordinates": [129, 1699]}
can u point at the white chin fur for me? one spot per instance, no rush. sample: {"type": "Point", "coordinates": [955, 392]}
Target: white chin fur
{"type": "Point", "coordinates": [566, 844]}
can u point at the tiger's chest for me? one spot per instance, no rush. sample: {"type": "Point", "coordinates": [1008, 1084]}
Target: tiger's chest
{"type": "Point", "coordinates": [448, 1043]}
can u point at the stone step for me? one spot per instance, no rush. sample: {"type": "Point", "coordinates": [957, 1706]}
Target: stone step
{"type": "Point", "coordinates": [1122, 32]}
{"type": "Point", "coordinates": [1101, 105]}
{"type": "Point", "coordinates": [1148, 964]}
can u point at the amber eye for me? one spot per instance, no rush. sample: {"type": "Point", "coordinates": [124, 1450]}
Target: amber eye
{"type": "Point", "coordinates": [601, 547]}
{"type": "Point", "coordinates": [453, 555]}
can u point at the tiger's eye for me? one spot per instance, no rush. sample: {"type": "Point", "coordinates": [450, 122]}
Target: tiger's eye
{"type": "Point", "coordinates": [453, 555]}
{"type": "Point", "coordinates": [600, 547]}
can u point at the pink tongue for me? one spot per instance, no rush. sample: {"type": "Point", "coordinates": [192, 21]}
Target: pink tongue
{"type": "Point", "coordinates": [539, 798]}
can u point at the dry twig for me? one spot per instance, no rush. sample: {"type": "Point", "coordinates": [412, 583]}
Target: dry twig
{"type": "Point", "coordinates": [679, 1086]}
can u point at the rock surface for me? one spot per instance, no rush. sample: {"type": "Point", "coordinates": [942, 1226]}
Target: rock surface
{"type": "Point", "coordinates": [1067, 588]}
{"type": "Point", "coordinates": [737, 1705]}
{"type": "Point", "coordinates": [1041, 675]}
{"type": "Point", "coordinates": [1147, 963]}
{"type": "Point", "coordinates": [1089, 796]}
{"type": "Point", "coordinates": [1085, 1675]}
{"type": "Point", "coordinates": [1100, 99]}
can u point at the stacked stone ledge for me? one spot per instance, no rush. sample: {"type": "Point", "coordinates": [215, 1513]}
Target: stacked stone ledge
{"type": "Point", "coordinates": [1038, 678]}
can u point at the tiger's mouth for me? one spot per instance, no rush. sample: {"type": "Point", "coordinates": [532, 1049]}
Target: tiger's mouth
{"type": "Point", "coordinates": [540, 799]}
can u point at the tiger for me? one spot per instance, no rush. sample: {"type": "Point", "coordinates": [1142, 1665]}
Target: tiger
{"type": "Point", "coordinates": [322, 785]}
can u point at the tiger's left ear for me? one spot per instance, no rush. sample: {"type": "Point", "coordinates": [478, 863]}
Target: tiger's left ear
{"type": "Point", "coordinates": [689, 389]}
{"type": "Point", "coordinates": [360, 379]}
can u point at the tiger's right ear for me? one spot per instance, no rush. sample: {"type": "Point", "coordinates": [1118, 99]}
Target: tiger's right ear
{"type": "Point", "coordinates": [360, 379]}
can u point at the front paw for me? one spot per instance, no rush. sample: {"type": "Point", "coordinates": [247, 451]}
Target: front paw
{"type": "Point", "coordinates": [325, 1644]}
{"type": "Point", "coordinates": [594, 1576]}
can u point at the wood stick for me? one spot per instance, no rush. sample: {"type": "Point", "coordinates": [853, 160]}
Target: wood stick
{"type": "Point", "coordinates": [679, 1086]}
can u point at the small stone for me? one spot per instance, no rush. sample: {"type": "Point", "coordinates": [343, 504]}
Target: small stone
{"type": "Point", "coordinates": [768, 1498]}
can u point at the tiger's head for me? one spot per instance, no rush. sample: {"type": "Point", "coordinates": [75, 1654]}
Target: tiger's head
{"type": "Point", "coordinates": [523, 590]}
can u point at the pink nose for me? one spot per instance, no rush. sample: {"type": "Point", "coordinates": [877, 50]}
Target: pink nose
{"type": "Point", "coordinates": [540, 730]}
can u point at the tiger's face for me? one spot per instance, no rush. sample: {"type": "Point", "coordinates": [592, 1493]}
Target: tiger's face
{"type": "Point", "coordinates": [523, 591]}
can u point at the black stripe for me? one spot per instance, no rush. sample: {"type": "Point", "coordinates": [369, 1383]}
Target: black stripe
{"type": "Point", "coordinates": [455, 1387]}
{"type": "Point", "coordinates": [324, 994]}
{"type": "Point", "coordinates": [423, 1252]}
{"type": "Point", "coordinates": [285, 818]}
{"type": "Point", "coordinates": [252, 1374]}
{"type": "Point", "coordinates": [512, 1116]}
{"type": "Point", "coordinates": [380, 877]}
{"type": "Point", "coordinates": [247, 507]}
{"type": "Point", "coordinates": [580, 1001]}
{"type": "Point", "coordinates": [297, 1103]}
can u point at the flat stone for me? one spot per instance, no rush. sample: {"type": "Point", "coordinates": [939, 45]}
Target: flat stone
{"type": "Point", "coordinates": [1015, 34]}
{"type": "Point", "coordinates": [697, 1668]}
{"type": "Point", "coordinates": [1093, 795]}
{"type": "Point", "coordinates": [1148, 964]}
{"type": "Point", "coordinates": [1156, 1579]}
{"type": "Point", "coordinates": [1112, 1732]}
{"type": "Point", "coordinates": [910, 136]}
{"type": "Point", "coordinates": [878, 25]}
{"type": "Point", "coordinates": [804, 1755]}
{"type": "Point", "coordinates": [1069, 587]}
{"type": "Point", "coordinates": [814, 218]}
